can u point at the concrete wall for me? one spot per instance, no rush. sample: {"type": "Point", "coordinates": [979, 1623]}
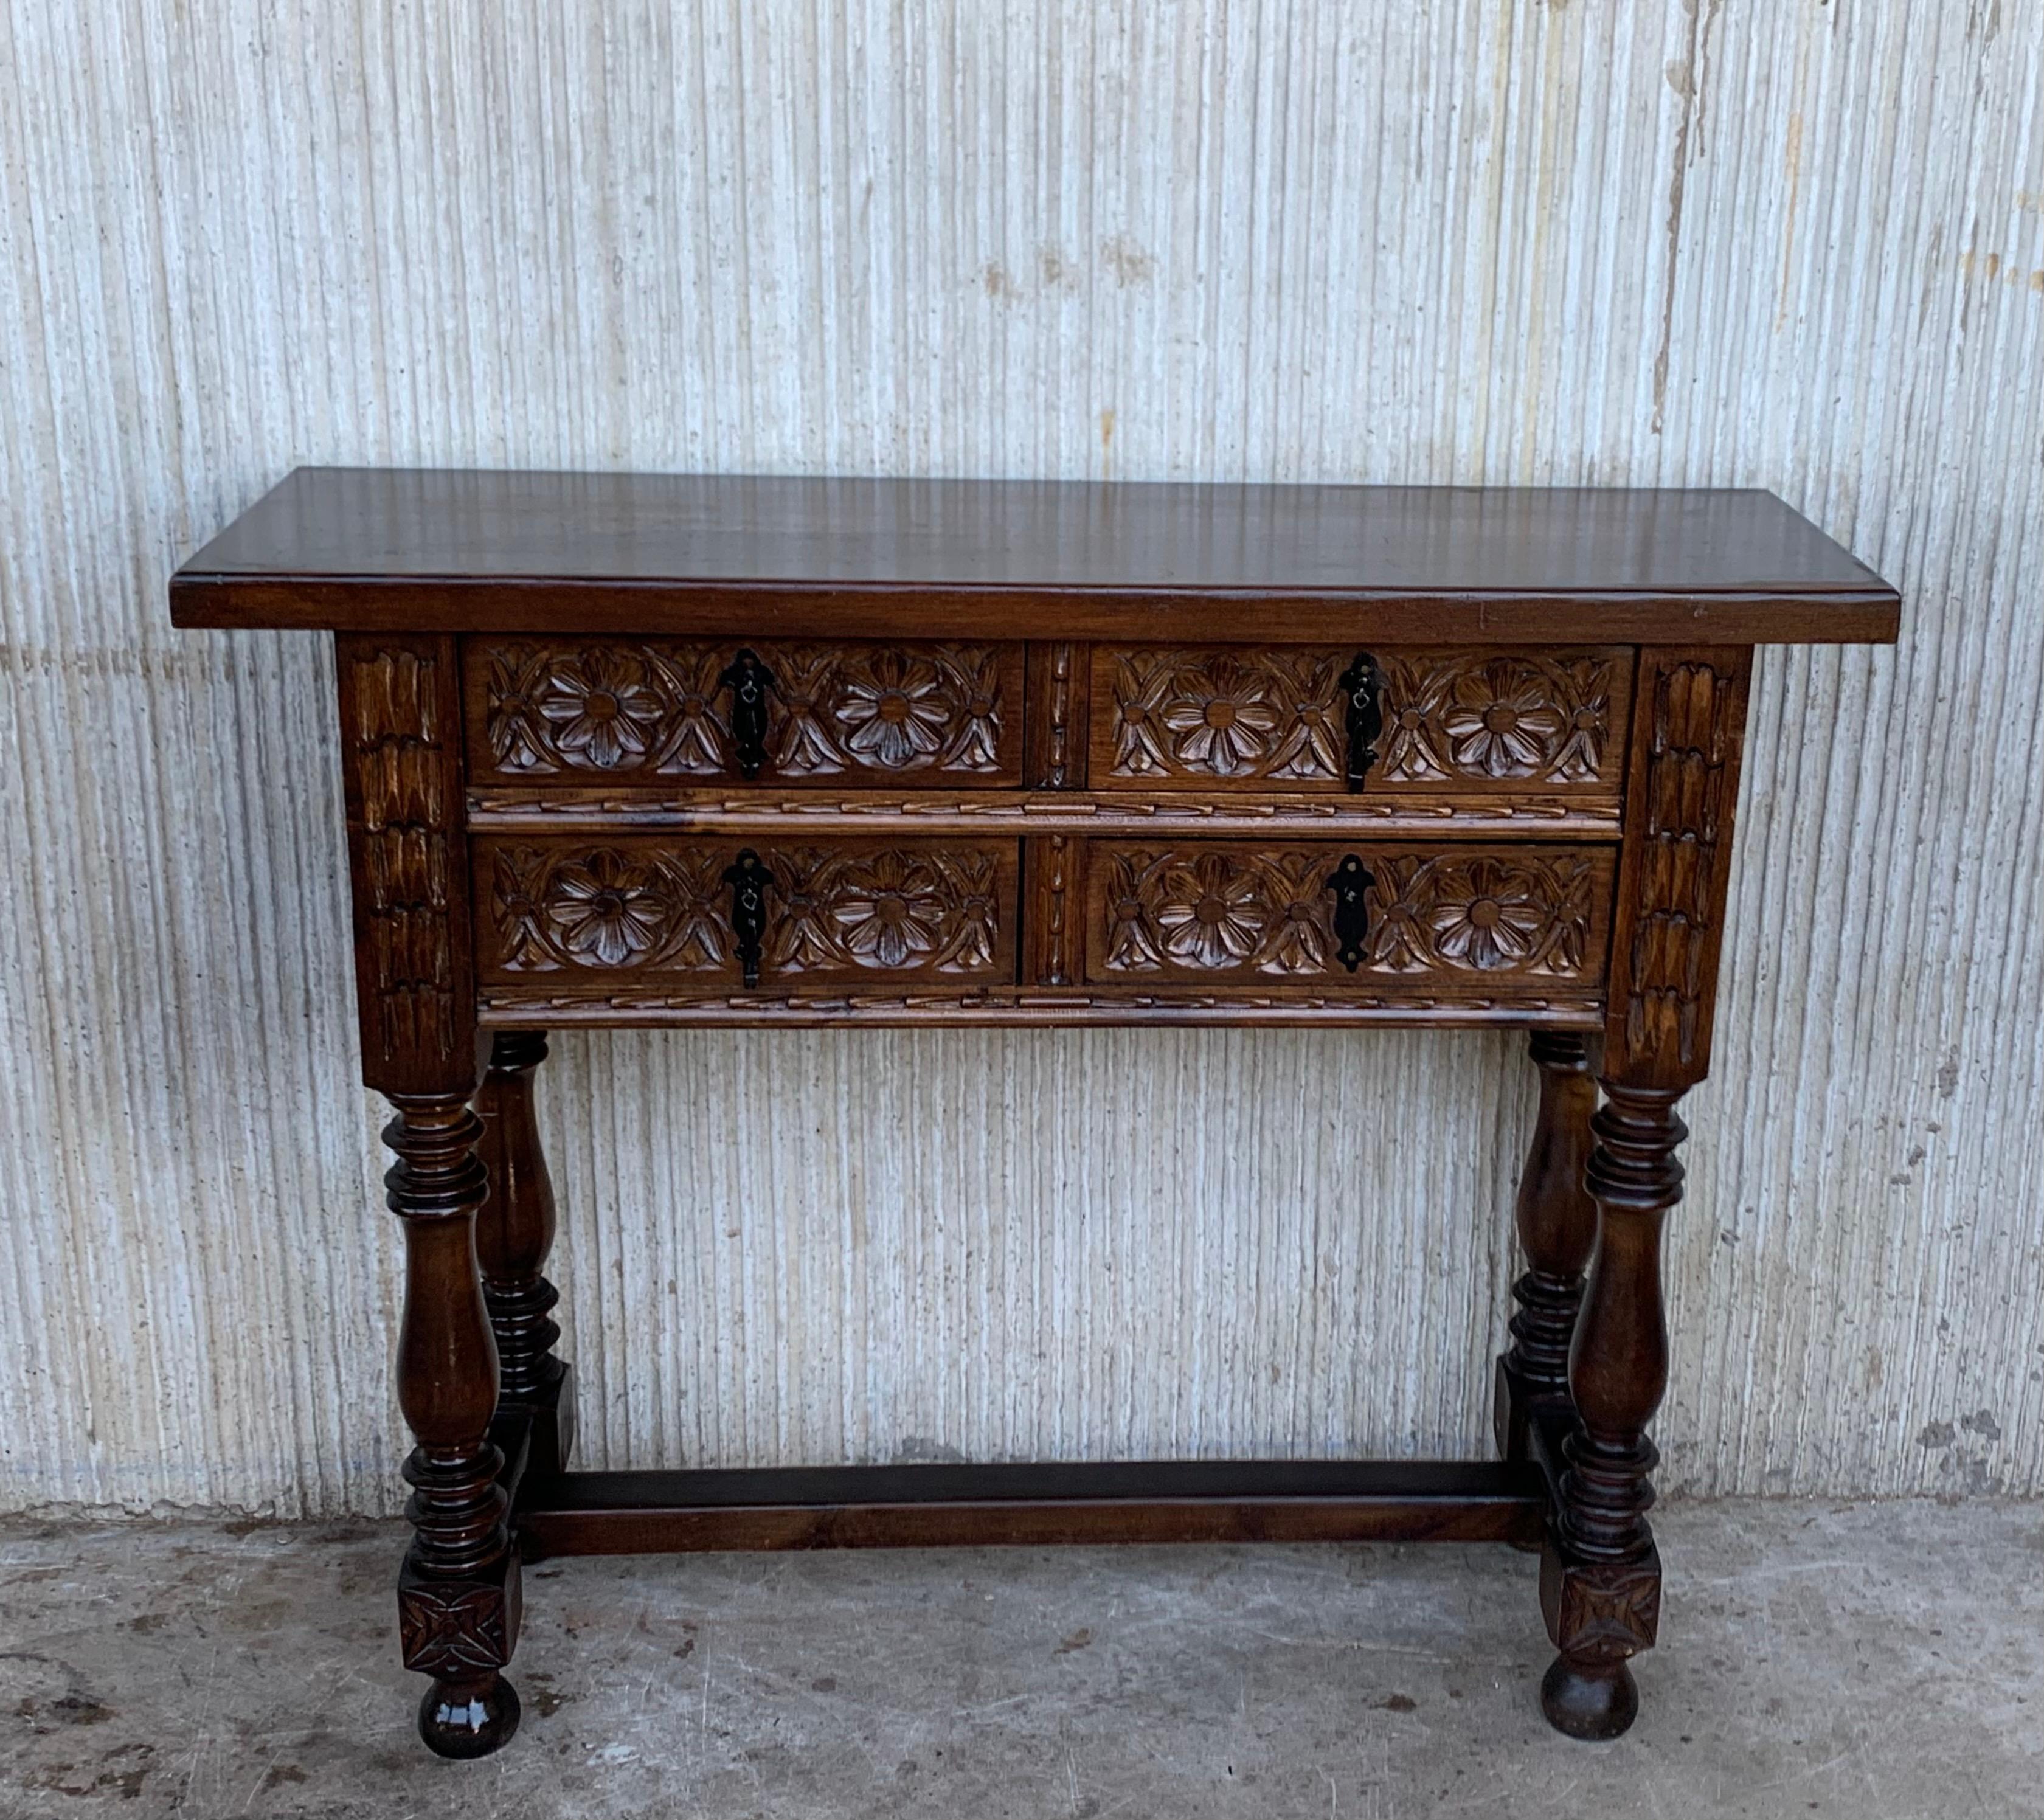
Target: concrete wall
{"type": "Point", "coordinates": [1795, 245]}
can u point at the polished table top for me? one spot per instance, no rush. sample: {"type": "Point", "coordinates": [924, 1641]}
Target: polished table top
{"type": "Point", "coordinates": [360, 548]}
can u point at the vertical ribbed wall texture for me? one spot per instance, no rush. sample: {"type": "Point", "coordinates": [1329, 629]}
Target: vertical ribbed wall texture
{"type": "Point", "coordinates": [1793, 245]}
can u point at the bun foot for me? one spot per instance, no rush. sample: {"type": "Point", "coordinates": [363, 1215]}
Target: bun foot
{"type": "Point", "coordinates": [469, 1717]}
{"type": "Point", "coordinates": [1589, 1699]}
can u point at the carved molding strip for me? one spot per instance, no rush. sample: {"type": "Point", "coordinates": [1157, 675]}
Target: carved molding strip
{"type": "Point", "coordinates": [1449, 717]}
{"type": "Point", "coordinates": [506, 1006]}
{"type": "Point", "coordinates": [1268, 912]}
{"type": "Point", "coordinates": [661, 709]}
{"type": "Point", "coordinates": [1076, 810]}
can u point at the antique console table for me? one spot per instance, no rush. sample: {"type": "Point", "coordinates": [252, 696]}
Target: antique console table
{"type": "Point", "coordinates": [632, 750]}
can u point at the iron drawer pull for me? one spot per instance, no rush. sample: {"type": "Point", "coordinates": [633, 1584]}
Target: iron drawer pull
{"type": "Point", "coordinates": [1348, 881]}
{"type": "Point", "coordinates": [1362, 684]}
{"type": "Point", "coordinates": [749, 880]}
{"type": "Point", "coordinates": [749, 682]}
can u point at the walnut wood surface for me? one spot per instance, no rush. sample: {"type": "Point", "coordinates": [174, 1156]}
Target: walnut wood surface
{"type": "Point", "coordinates": [514, 1231]}
{"type": "Point", "coordinates": [849, 713]}
{"type": "Point", "coordinates": [1043, 755]}
{"type": "Point", "coordinates": [975, 1506]}
{"type": "Point", "coordinates": [653, 1007]}
{"type": "Point", "coordinates": [734, 555]}
{"type": "Point", "coordinates": [1675, 875]}
{"type": "Point", "coordinates": [1493, 923]}
{"type": "Point", "coordinates": [1557, 1224]}
{"type": "Point", "coordinates": [639, 911]}
{"type": "Point", "coordinates": [1221, 718]}
{"type": "Point", "coordinates": [458, 1592]}
{"type": "Point", "coordinates": [400, 773]}
{"type": "Point", "coordinates": [1520, 815]}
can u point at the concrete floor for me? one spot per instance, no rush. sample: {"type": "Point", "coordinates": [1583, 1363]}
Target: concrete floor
{"type": "Point", "coordinates": [1873, 1661]}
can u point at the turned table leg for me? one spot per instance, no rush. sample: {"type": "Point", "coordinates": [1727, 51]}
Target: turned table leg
{"type": "Point", "coordinates": [1600, 1574]}
{"type": "Point", "coordinates": [514, 1231]}
{"type": "Point", "coordinates": [1557, 1224]}
{"type": "Point", "coordinates": [457, 1594]}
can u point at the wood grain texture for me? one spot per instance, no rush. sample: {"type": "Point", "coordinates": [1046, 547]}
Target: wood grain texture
{"type": "Point", "coordinates": [1033, 1505]}
{"type": "Point", "coordinates": [1455, 723]}
{"type": "Point", "coordinates": [1676, 869]}
{"type": "Point", "coordinates": [632, 913]}
{"type": "Point", "coordinates": [854, 712]}
{"type": "Point", "coordinates": [850, 557]}
{"type": "Point", "coordinates": [400, 768]}
{"type": "Point", "coordinates": [1343, 1007]}
{"type": "Point", "coordinates": [1489, 923]}
{"type": "Point", "coordinates": [1060, 703]}
{"type": "Point", "coordinates": [1521, 813]}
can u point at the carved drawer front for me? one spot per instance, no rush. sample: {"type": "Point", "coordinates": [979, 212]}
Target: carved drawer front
{"type": "Point", "coordinates": [1410, 722]}
{"type": "Point", "coordinates": [615, 914]}
{"type": "Point", "coordinates": [660, 712]}
{"type": "Point", "coordinates": [1454, 921]}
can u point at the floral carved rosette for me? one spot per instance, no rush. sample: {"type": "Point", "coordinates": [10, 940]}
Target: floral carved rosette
{"type": "Point", "coordinates": [1448, 716]}
{"type": "Point", "coordinates": [899, 909]}
{"type": "Point", "coordinates": [1226, 714]}
{"type": "Point", "coordinates": [661, 708]}
{"type": "Point", "coordinates": [657, 910]}
{"type": "Point", "coordinates": [1223, 910]}
{"type": "Point", "coordinates": [1530, 720]}
{"type": "Point", "coordinates": [1483, 915]}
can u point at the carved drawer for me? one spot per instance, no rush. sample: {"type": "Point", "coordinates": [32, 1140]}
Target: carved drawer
{"type": "Point", "coordinates": [1339, 918]}
{"type": "Point", "coordinates": [660, 712]}
{"type": "Point", "coordinates": [637, 912]}
{"type": "Point", "coordinates": [1441, 724]}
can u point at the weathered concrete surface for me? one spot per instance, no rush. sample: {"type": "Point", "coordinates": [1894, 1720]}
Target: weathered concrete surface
{"type": "Point", "coordinates": [1877, 1660]}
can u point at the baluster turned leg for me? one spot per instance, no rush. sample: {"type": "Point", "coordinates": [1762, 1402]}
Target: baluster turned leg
{"type": "Point", "coordinates": [513, 1233]}
{"type": "Point", "coordinates": [1600, 1575]}
{"type": "Point", "coordinates": [1556, 1222]}
{"type": "Point", "coordinates": [457, 1594]}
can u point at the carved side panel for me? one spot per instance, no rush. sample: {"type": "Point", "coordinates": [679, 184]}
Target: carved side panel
{"type": "Point", "coordinates": [1455, 721]}
{"type": "Point", "coordinates": [659, 709]}
{"type": "Point", "coordinates": [400, 764]}
{"type": "Point", "coordinates": [859, 912]}
{"type": "Point", "coordinates": [1680, 798]}
{"type": "Point", "coordinates": [1450, 921]}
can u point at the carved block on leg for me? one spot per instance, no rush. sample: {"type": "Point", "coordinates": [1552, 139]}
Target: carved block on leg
{"type": "Point", "coordinates": [462, 1633]}
{"type": "Point", "coordinates": [1600, 1614]}
{"type": "Point", "coordinates": [1557, 1226]}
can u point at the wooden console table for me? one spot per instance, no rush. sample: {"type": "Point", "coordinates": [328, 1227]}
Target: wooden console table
{"type": "Point", "coordinates": [631, 751]}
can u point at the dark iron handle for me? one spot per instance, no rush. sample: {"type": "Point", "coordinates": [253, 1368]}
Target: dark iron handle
{"type": "Point", "coordinates": [749, 880]}
{"type": "Point", "coordinates": [1349, 882]}
{"type": "Point", "coordinates": [750, 682]}
{"type": "Point", "coordinates": [1362, 689]}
